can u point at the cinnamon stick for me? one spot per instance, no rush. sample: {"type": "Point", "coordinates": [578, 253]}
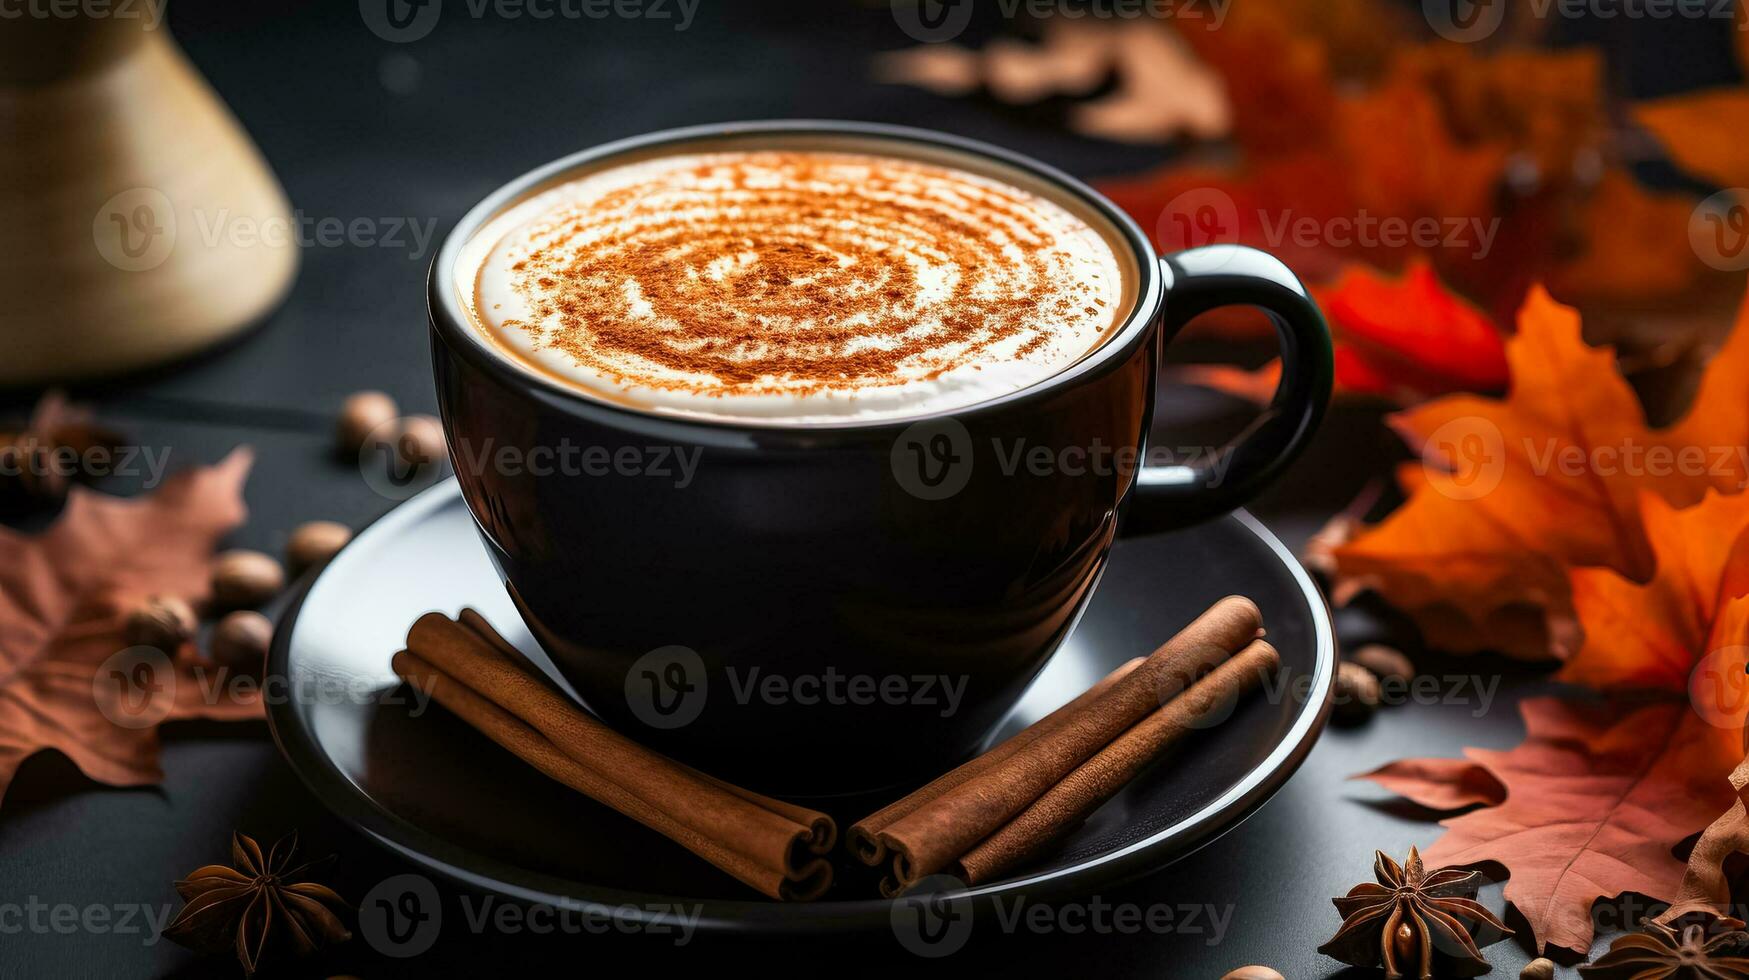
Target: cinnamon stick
{"type": "Point", "coordinates": [1065, 805]}
{"type": "Point", "coordinates": [770, 845]}
{"type": "Point", "coordinates": [864, 835]}
{"type": "Point", "coordinates": [935, 835]}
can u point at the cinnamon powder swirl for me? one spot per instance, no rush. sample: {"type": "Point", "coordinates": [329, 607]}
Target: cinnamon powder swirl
{"type": "Point", "coordinates": [797, 285]}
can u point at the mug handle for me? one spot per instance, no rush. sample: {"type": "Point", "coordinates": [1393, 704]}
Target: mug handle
{"type": "Point", "coordinates": [1199, 280]}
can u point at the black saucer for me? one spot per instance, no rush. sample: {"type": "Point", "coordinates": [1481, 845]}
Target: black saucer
{"type": "Point", "coordinates": [445, 797]}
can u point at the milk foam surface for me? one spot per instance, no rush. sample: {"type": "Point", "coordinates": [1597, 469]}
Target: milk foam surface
{"type": "Point", "coordinates": [793, 285]}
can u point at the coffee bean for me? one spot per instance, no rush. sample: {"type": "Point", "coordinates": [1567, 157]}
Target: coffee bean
{"type": "Point", "coordinates": [1357, 694]}
{"type": "Point", "coordinates": [242, 579]}
{"type": "Point", "coordinates": [1386, 663]}
{"type": "Point", "coordinates": [313, 543]}
{"type": "Point", "coordinates": [1253, 973]}
{"type": "Point", "coordinates": [1538, 969]}
{"type": "Point", "coordinates": [240, 642]}
{"type": "Point", "coordinates": [361, 414]}
{"type": "Point", "coordinates": [163, 622]}
{"type": "Point", "coordinates": [421, 441]}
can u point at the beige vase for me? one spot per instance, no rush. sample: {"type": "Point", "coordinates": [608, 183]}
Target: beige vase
{"type": "Point", "coordinates": [138, 222]}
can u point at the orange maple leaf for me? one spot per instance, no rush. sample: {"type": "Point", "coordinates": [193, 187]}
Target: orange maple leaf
{"type": "Point", "coordinates": [1701, 132]}
{"type": "Point", "coordinates": [1596, 797]}
{"type": "Point", "coordinates": [67, 679]}
{"type": "Point", "coordinates": [1694, 609]}
{"type": "Point", "coordinates": [1513, 492]}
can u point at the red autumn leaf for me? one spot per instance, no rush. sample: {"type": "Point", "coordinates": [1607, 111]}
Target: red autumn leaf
{"type": "Point", "coordinates": [1418, 339]}
{"type": "Point", "coordinates": [1406, 339]}
{"type": "Point", "coordinates": [1439, 784]}
{"type": "Point", "coordinates": [1518, 490]}
{"type": "Point", "coordinates": [65, 681]}
{"type": "Point", "coordinates": [1597, 796]}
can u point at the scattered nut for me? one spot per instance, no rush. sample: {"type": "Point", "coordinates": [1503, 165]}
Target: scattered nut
{"type": "Point", "coordinates": [1254, 973]}
{"type": "Point", "coordinates": [361, 414]}
{"type": "Point", "coordinates": [240, 640]}
{"type": "Point", "coordinates": [1357, 694]}
{"type": "Point", "coordinates": [242, 579]}
{"type": "Point", "coordinates": [163, 622]}
{"type": "Point", "coordinates": [1538, 969]}
{"type": "Point", "coordinates": [1386, 663]}
{"type": "Point", "coordinates": [421, 441]}
{"type": "Point", "coordinates": [313, 543]}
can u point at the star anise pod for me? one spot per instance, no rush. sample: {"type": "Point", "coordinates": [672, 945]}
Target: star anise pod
{"type": "Point", "coordinates": [1701, 947]}
{"type": "Point", "coordinates": [260, 900]}
{"type": "Point", "coordinates": [1413, 921]}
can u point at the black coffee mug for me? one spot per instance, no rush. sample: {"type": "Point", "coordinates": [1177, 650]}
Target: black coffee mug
{"type": "Point", "coordinates": [821, 608]}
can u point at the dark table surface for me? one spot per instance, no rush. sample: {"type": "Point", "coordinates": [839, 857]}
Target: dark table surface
{"type": "Point", "coordinates": [357, 126]}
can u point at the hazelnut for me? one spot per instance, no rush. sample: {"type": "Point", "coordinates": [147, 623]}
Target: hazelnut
{"type": "Point", "coordinates": [1357, 694]}
{"type": "Point", "coordinates": [420, 443]}
{"type": "Point", "coordinates": [1538, 969]}
{"type": "Point", "coordinates": [240, 640]}
{"type": "Point", "coordinates": [1386, 663]}
{"type": "Point", "coordinates": [1254, 973]}
{"type": "Point", "coordinates": [313, 543]}
{"type": "Point", "coordinates": [245, 578]}
{"type": "Point", "coordinates": [163, 622]}
{"type": "Point", "coordinates": [363, 413]}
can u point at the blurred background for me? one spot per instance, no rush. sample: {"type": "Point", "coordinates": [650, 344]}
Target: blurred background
{"type": "Point", "coordinates": [1421, 165]}
{"type": "Point", "coordinates": [1435, 158]}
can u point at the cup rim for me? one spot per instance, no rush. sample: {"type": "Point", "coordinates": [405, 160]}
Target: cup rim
{"type": "Point", "coordinates": [451, 322]}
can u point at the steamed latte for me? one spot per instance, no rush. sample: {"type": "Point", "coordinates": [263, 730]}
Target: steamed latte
{"type": "Point", "coordinates": [793, 285]}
